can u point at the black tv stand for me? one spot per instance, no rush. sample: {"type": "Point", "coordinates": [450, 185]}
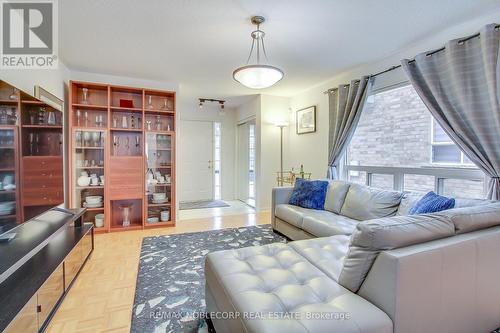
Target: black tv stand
{"type": "Point", "coordinates": [38, 267]}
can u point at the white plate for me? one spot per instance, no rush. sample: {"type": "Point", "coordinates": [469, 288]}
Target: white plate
{"type": "Point", "coordinates": [160, 201]}
{"type": "Point", "coordinates": [93, 205]}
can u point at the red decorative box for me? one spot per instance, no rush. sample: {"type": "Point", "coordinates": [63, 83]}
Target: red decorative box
{"type": "Point", "coordinates": [126, 103]}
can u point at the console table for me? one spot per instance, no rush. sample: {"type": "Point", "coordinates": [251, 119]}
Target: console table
{"type": "Point", "coordinates": [38, 267]}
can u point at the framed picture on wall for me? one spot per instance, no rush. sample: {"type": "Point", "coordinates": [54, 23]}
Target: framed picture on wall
{"type": "Point", "coordinates": [306, 120]}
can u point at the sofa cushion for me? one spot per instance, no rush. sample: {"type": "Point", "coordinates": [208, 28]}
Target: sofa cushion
{"type": "Point", "coordinates": [464, 202]}
{"type": "Point", "coordinates": [282, 288]}
{"type": "Point", "coordinates": [326, 253]}
{"type": "Point", "coordinates": [432, 203]}
{"type": "Point", "coordinates": [365, 203]}
{"type": "Point", "coordinates": [372, 237]}
{"type": "Point", "coordinates": [335, 195]}
{"type": "Point", "coordinates": [468, 219]}
{"type": "Point", "coordinates": [309, 193]}
{"type": "Point", "coordinates": [291, 214]}
{"type": "Point", "coordinates": [408, 201]}
{"type": "Point", "coordinates": [324, 223]}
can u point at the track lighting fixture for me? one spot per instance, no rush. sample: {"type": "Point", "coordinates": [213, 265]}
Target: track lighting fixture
{"type": "Point", "coordinates": [211, 100]}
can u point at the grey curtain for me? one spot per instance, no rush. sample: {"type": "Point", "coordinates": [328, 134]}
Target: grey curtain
{"type": "Point", "coordinates": [460, 87]}
{"type": "Point", "coordinates": [345, 106]}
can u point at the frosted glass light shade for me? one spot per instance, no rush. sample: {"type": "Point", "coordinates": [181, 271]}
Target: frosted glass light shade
{"type": "Point", "coordinates": [258, 76]}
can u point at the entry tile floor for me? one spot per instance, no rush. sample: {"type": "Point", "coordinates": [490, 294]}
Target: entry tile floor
{"type": "Point", "coordinates": [235, 208]}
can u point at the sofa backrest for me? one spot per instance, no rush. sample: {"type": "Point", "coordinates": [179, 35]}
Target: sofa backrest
{"type": "Point", "coordinates": [372, 237]}
{"type": "Point", "coordinates": [365, 203]}
{"type": "Point", "coordinates": [375, 236]}
{"type": "Point", "coordinates": [468, 219]}
{"type": "Point", "coordinates": [335, 195]}
{"type": "Point", "coordinates": [446, 285]}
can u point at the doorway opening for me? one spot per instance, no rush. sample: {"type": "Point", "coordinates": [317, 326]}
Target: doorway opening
{"type": "Point", "coordinates": [251, 165]}
{"type": "Point", "coordinates": [246, 173]}
{"type": "Point", "coordinates": [217, 161]}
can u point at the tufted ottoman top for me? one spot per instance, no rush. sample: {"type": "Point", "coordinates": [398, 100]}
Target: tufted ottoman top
{"type": "Point", "coordinates": [275, 289]}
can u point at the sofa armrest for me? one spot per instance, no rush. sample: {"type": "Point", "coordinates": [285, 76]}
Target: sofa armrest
{"type": "Point", "coordinates": [447, 285]}
{"type": "Point", "coordinates": [280, 195]}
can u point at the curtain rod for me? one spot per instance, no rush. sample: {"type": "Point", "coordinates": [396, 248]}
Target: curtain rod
{"type": "Point", "coordinates": [460, 41]}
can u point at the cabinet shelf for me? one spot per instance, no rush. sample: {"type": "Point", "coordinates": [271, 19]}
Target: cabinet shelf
{"type": "Point", "coordinates": [159, 112]}
{"type": "Point", "coordinates": [159, 224]}
{"type": "Point", "coordinates": [5, 217]}
{"type": "Point", "coordinates": [90, 106]}
{"type": "Point", "coordinates": [90, 168]}
{"type": "Point", "coordinates": [89, 187]}
{"type": "Point", "coordinates": [95, 148]}
{"type": "Point", "coordinates": [33, 102]}
{"type": "Point", "coordinates": [90, 128]}
{"type": "Point", "coordinates": [6, 169]}
{"type": "Point", "coordinates": [9, 101]}
{"type": "Point", "coordinates": [123, 109]}
{"type": "Point", "coordinates": [118, 129]}
{"type": "Point", "coordinates": [161, 132]}
{"type": "Point", "coordinates": [43, 126]}
{"type": "Point", "coordinates": [159, 205]}
{"type": "Point", "coordinates": [95, 210]}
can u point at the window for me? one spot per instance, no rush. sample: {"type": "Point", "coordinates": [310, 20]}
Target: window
{"type": "Point", "coordinates": [217, 160]}
{"type": "Point", "coordinates": [397, 144]}
{"type": "Point", "coordinates": [444, 151]}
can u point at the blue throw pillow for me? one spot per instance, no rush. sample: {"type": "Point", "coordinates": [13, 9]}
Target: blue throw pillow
{"type": "Point", "coordinates": [431, 203]}
{"type": "Point", "coordinates": [309, 194]}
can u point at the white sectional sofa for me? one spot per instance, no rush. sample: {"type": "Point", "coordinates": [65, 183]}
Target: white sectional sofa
{"type": "Point", "coordinates": [392, 273]}
{"type": "Point", "coordinates": [346, 205]}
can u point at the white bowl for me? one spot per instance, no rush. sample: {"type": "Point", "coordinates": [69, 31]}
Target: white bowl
{"type": "Point", "coordinates": [159, 196]}
{"type": "Point", "coordinates": [99, 220]}
{"type": "Point", "coordinates": [153, 220]}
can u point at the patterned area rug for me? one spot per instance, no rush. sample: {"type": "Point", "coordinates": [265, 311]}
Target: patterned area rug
{"type": "Point", "coordinates": [170, 293]}
{"type": "Point", "coordinates": [202, 204]}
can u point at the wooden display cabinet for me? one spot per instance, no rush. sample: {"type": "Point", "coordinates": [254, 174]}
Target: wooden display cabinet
{"type": "Point", "coordinates": [136, 124]}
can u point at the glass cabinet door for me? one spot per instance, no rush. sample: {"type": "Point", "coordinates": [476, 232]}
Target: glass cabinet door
{"type": "Point", "coordinates": [88, 175]}
{"type": "Point", "coordinates": [158, 177]}
{"type": "Point", "coordinates": [8, 179]}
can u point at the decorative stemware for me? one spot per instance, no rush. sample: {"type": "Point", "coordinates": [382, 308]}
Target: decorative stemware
{"type": "Point", "coordinates": [85, 96]}
{"type": "Point", "coordinates": [86, 139]}
{"type": "Point", "coordinates": [150, 102]}
{"type": "Point", "coordinates": [78, 117]}
{"type": "Point", "coordinates": [158, 123]}
{"type": "Point", "coordinates": [13, 96]}
{"type": "Point", "coordinates": [165, 104]}
{"type": "Point", "coordinates": [51, 118]}
{"type": "Point", "coordinates": [41, 116]}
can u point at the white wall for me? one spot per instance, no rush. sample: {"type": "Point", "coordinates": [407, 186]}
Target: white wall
{"type": "Point", "coordinates": [312, 149]}
{"type": "Point", "coordinates": [273, 110]}
{"type": "Point", "coordinates": [52, 80]}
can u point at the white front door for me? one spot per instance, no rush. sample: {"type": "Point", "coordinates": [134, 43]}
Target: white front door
{"type": "Point", "coordinates": [196, 160]}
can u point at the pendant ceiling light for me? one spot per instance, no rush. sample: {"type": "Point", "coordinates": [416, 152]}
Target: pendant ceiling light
{"type": "Point", "coordinates": [258, 76]}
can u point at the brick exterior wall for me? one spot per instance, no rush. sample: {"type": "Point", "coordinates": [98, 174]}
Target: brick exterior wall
{"type": "Point", "coordinates": [395, 130]}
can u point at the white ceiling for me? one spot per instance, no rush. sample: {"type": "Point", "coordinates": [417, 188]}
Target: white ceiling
{"type": "Point", "coordinates": [198, 43]}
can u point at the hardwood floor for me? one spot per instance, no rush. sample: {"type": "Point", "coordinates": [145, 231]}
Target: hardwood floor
{"type": "Point", "coordinates": [102, 297]}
